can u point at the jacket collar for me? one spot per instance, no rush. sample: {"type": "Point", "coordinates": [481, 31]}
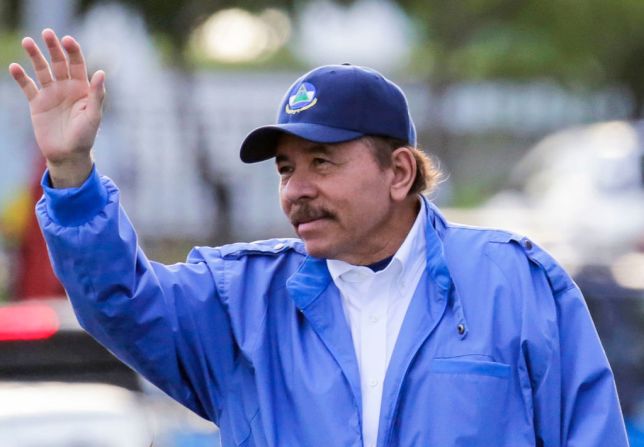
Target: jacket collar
{"type": "Point", "coordinates": [317, 298]}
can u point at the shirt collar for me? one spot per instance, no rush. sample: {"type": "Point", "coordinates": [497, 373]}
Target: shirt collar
{"type": "Point", "coordinates": [408, 254]}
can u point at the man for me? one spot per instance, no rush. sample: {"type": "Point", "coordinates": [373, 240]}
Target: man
{"type": "Point", "coordinates": [384, 325]}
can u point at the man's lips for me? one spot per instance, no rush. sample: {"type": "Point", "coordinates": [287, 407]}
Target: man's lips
{"type": "Point", "coordinates": [310, 223]}
{"type": "Point", "coordinates": [306, 215]}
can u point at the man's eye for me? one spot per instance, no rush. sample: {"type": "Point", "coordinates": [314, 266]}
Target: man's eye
{"type": "Point", "coordinates": [320, 161]}
{"type": "Point", "coordinates": [283, 170]}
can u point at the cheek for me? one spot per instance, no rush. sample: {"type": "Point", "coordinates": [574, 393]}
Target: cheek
{"type": "Point", "coordinates": [370, 207]}
{"type": "Point", "coordinates": [283, 202]}
{"type": "Point", "coordinates": [358, 214]}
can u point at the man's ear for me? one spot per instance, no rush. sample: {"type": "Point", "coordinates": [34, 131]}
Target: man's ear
{"type": "Point", "coordinates": [403, 164]}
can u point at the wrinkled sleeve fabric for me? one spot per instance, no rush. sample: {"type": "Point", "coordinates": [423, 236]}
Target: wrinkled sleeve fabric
{"type": "Point", "coordinates": [151, 316]}
{"type": "Point", "coordinates": [573, 390]}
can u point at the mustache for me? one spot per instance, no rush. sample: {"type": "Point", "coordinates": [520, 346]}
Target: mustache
{"type": "Point", "coordinates": [305, 212]}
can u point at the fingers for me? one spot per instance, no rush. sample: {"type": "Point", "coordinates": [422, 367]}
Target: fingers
{"type": "Point", "coordinates": [64, 67]}
{"type": "Point", "coordinates": [58, 60]}
{"type": "Point", "coordinates": [38, 61]}
{"type": "Point", "coordinates": [77, 67]}
{"type": "Point", "coordinates": [27, 85]}
{"type": "Point", "coordinates": [96, 96]}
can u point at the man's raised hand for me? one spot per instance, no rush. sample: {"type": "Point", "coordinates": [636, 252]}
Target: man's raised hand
{"type": "Point", "coordinates": [65, 110]}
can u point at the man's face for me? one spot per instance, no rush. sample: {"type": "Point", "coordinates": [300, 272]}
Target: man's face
{"type": "Point", "coordinates": [336, 196]}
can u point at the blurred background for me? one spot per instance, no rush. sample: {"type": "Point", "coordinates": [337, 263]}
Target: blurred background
{"type": "Point", "coordinates": [533, 110]}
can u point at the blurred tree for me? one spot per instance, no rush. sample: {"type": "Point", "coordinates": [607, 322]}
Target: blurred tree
{"type": "Point", "coordinates": [590, 43]}
{"type": "Point", "coordinates": [9, 14]}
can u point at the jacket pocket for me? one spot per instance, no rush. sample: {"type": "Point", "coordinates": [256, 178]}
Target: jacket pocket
{"type": "Point", "coordinates": [468, 402]}
{"type": "Point", "coordinates": [473, 367]}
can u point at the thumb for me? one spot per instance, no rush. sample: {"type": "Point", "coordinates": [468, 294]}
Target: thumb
{"type": "Point", "coordinates": [96, 96]}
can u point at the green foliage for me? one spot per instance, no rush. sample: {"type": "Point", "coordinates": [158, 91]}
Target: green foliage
{"type": "Point", "coordinates": [10, 49]}
{"type": "Point", "coordinates": [577, 42]}
{"type": "Point", "coordinates": [9, 14]}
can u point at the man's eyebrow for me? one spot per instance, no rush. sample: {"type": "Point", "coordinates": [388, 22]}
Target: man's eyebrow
{"type": "Point", "coordinates": [314, 148]}
{"type": "Point", "coordinates": [319, 148]}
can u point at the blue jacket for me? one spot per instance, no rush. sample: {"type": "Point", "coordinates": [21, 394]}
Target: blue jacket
{"type": "Point", "coordinates": [497, 348]}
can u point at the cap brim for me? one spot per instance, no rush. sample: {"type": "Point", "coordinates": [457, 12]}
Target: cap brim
{"type": "Point", "coordinates": [261, 143]}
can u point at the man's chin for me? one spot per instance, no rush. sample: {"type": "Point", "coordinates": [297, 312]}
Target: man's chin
{"type": "Point", "coordinates": [317, 249]}
{"type": "Point", "coordinates": [319, 237]}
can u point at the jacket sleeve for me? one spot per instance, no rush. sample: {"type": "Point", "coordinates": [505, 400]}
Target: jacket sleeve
{"type": "Point", "coordinates": [155, 318]}
{"type": "Point", "coordinates": [574, 395]}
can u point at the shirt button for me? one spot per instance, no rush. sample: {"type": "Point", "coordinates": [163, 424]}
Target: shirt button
{"type": "Point", "coordinates": [373, 319]}
{"type": "Point", "coordinates": [373, 383]}
{"type": "Point", "coordinates": [528, 245]}
{"type": "Point", "coordinates": [278, 246]}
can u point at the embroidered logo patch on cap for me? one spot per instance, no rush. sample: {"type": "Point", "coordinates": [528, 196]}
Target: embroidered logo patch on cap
{"type": "Point", "coordinates": [303, 98]}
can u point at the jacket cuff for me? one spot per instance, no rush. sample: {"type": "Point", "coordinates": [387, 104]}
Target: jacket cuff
{"type": "Point", "coordinates": [72, 207]}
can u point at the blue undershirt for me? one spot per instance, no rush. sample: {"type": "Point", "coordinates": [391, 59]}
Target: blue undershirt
{"type": "Point", "coordinates": [380, 265]}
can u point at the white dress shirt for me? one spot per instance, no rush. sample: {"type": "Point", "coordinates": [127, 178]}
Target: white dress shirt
{"type": "Point", "coordinates": [375, 304]}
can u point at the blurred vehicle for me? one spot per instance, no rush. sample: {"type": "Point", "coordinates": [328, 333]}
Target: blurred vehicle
{"type": "Point", "coordinates": [579, 193]}
{"type": "Point", "coordinates": [40, 340]}
{"type": "Point", "coordinates": [55, 414]}
{"type": "Point", "coordinates": [60, 388]}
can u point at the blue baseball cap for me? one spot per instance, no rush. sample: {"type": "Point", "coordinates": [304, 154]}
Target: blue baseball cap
{"type": "Point", "coordinates": [332, 104]}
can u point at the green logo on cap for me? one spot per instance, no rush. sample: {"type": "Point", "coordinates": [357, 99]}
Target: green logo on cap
{"type": "Point", "coordinates": [303, 98]}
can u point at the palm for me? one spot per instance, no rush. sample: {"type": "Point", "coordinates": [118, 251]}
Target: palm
{"type": "Point", "coordinates": [66, 109]}
{"type": "Point", "coordinates": [60, 120]}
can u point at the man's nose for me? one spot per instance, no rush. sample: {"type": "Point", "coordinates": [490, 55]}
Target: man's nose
{"type": "Point", "coordinates": [299, 186]}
